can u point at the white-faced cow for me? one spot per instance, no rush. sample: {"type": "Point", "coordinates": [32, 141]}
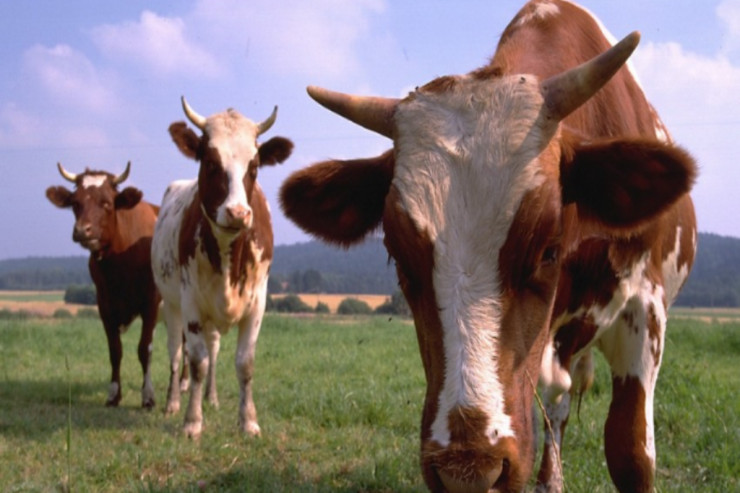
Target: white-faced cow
{"type": "Point", "coordinates": [533, 206]}
{"type": "Point", "coordinates": [117, 228]}
{"type": "Point", "coordinates": [211, 254]}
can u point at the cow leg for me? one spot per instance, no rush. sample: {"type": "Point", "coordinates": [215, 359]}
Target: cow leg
{"type": "Point", "coordinates": [198, 358]}
{"type": "Point", "coordinates": [246, 345]}
{"type": "Point", "coordinates": [185, 375]}
{"type": "Point", "coordinates": [213, 339]}
{"type": "Point", "coordinates": [148, 324]}
{"type": "Point", "coordinates": [175, 338]}
{"type": "Point", "coordinates": [633, 347]}
{"type": "Point", "coordinates": [115, 354]}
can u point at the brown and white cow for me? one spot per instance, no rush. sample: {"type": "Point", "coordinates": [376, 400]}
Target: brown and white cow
{"type": "Point", "coordinates": [211, 254]}
{"type": "Point", "coordinates": [533, 207]}
{"type": "Point", "coordinates": [116, 227]}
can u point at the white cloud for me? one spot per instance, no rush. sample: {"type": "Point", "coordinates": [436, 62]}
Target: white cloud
{"type": "Point", "coordinates": [697, 98]}
{"type": "Point", "coordinates": [291, 37]}
{"type": "Point", "coordinates": [728, 12]}
{"type": "Point", "coordinates": [692, 87]}
{"type": "Point", "coordinates": [18, 128]}
{"type": "Point", "coordinates": [159, 43]}
{"type": "Point", "coordinates": [69, 78]}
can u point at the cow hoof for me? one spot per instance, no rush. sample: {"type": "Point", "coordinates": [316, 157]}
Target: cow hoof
{"type": "Point", "coordinates": [193, 430]}
{"type": "Point", "coordinates": [172, 408]}
{"type": "Point", "coordinates": [114, 395]}
{"type": "Point", "coordinates": [148, 404]}
{"type": "Point", "coordinates": [252, 430]}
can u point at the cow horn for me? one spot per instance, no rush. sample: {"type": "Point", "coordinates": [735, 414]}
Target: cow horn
{"type": "Point", "coordinates": [122, 177]}
{"type": "Point", "coordinates": [196, 119]}
{"type": "Point", "coordinates": [66, 174]}
{"type": "Point", "coordinates": [265, 125]}
{"type": "Point", "coordinates": [565, 92]}
{"type": "Point", "coordinates": [372, 112]}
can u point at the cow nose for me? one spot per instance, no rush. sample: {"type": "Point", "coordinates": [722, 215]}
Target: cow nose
{"type": "Point", "coordinates": [82, 232]}
{"type": "Point", "coordinates": [238, 215]}
{"type": "Point", "coordinates": [479, 484]}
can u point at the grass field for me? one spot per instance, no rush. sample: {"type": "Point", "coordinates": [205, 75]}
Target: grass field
{"type": "Point", "coordinates": [339, 405]}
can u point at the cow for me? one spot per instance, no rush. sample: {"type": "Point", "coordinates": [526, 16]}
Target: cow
{"type": "Point", "coordinates": [211, 255]}
{"type": "Point", "coordinates": [116, 227]}
{"type": "Point", "coordinates": [535, 208]}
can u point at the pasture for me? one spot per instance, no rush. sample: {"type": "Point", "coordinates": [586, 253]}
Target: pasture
{"type": "Point", "coordinates": [339, 404]}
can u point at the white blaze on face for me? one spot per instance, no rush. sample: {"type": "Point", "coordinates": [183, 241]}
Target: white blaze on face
{"type": "Point", "coordinates": [234, 137]}
{"type": "Point", "coordinates": [93, 181]}
{"type": "Point", "coordinates": [464, 160]}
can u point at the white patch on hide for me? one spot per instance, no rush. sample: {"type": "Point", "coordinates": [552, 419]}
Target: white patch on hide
{"type": "Point", "coordinates": [542, 10]}
{"type": "Point", "coordinates": [93, 181]}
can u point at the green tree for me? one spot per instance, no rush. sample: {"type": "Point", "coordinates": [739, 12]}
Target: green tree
{"type": "Point", "coordinates": [353, 306]}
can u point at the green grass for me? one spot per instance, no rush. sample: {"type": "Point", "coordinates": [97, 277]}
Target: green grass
{"type": "Point", "coordinates": [339, 403]}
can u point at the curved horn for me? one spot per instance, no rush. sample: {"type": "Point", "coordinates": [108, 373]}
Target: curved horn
{"type": "Point", "coordinates": [122, 177]}
{"type": "Point", "coordinates": [66, 174]}
{"type": "Point", "coordinates": [265, 125]}
{"type": "Point", "coordinates": [196, 119]}
{"type": "Point", "coordinates": [565, 92]}
{"type": "Point", "coordinates": [371, 112]}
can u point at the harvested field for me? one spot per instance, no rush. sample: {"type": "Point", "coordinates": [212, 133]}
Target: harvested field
{"type": "Point", "coordinates": [39, 303]}
{"type": "Point", "coordinates": [333, 300]}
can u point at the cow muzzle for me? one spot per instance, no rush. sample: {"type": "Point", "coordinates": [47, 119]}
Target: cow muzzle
{"type": "Point", "coordinates": [461, 467]}
{"type": "Point", "coordinates": [238, 217]}
{"type": "Point", "coordinates": [83, 234]}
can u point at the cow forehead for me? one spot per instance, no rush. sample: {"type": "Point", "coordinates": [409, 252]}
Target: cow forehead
{"type": "Point", "coordinates": [470, 151]}
{"type": "Point", "coordinates": [93, 180]}
{"type": "Point", "coordinates": [233, 135]}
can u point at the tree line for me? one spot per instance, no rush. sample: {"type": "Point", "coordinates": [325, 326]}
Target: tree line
{"type": "Point", "coordinates": [313, 267]}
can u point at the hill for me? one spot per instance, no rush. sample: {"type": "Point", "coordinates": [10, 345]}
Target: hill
{"type": "Point", "coordinates": [313, 267]}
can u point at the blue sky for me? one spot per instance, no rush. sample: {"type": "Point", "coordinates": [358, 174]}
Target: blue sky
{"type": "Point", "coordinates": [97, 84]}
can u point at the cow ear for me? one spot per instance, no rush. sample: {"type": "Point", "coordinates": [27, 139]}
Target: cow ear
{"type": "Point", "coordinates": [185, 139]}
{"type": "Point", "coordinates": [128, 198]}
{"type": "Point", "coordinates": [339, 201]}
{"type": "Point", "coordinates": [59, 196]}
{"type": "Point", "coordinates": [622, 184]}
{"type": "Point", "coordinates": [276, 150]}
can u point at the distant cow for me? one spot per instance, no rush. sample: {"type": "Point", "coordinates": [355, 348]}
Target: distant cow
{"type": "Point", "coordinates": [117, 228]}
{"type": "Point", "coordinates": [211, 254]}
{"type": "Point", "coordinates": [530, 212]}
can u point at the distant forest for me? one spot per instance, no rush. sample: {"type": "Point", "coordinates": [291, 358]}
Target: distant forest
{"type": "Point", "coordinates": [313, 267]}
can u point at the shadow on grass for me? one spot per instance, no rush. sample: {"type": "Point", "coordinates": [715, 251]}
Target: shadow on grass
{"type": "Point", "coordinates": [34, 409]}
{"type": "Point", "coordinates": [258, 478]}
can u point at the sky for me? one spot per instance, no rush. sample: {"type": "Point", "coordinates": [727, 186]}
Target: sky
{"type": "Point", "coordinates": [92, 84]}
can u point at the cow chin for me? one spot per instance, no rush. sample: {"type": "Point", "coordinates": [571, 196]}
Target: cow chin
{"type": "Point", "coordinates": [92, 244]}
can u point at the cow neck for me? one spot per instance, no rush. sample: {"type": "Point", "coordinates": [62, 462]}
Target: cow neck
{"type": "Point", "coordinates": [225, 244]}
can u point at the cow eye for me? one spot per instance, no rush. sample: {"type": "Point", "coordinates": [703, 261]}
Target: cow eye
{"type": "Point", "coordinates": [550, 254]}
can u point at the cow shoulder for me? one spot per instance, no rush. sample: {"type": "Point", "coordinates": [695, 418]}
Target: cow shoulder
{"type": "Point", "coordinates": [339, 201]}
